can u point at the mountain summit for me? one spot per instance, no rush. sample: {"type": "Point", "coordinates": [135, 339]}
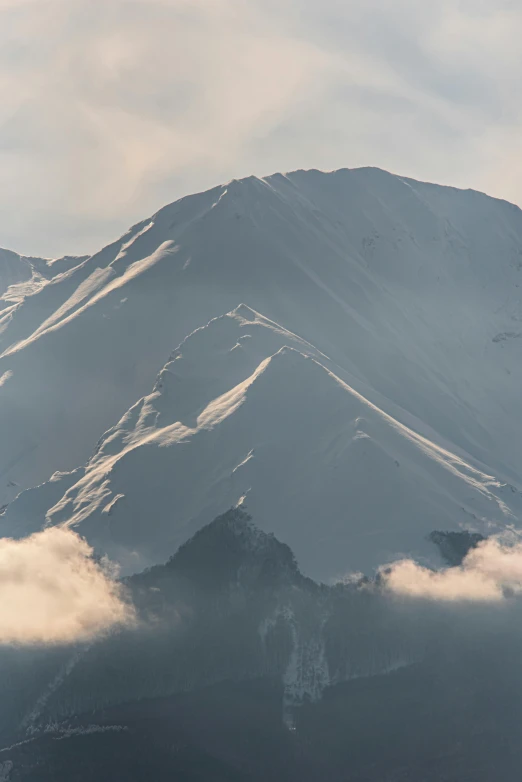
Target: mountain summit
{"type": "Point", "coordinates": [253, 402]}
{"type": "Point", "coordinates": [344, 358]}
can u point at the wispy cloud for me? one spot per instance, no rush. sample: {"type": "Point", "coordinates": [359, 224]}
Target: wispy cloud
{"type": "Point", "coordinates": [110, 109]}
{"type": "Point", "coordinates": [53, 592]}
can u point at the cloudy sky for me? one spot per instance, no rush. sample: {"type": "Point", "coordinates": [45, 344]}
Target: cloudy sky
{"type": "Point", "coordinates": [111, 108]}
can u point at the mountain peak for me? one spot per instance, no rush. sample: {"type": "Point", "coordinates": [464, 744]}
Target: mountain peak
{"type": "Point", "coordinates": [245, 312]}
{"type": "Point", "coordinates": [231, 549]}
{"type": "Point", "coordinates": [363, 367]}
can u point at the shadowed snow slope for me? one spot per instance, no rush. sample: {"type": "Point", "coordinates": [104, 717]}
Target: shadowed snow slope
{"type": "Point", "coordinates": [13, 270]}
{"type": "Point", "coordinates": [245, 411]}
{"type": "Point", "coordinates": [409, 293]}
{"type": "Point", "coordinates": [23, 275]}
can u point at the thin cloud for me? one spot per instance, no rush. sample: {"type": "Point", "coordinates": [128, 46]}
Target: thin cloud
{"type": "Point", "coordinates": [52, 591]}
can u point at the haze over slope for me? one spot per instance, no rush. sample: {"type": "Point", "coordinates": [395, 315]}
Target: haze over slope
{"type": "Point", "coordinates": [399, 315]}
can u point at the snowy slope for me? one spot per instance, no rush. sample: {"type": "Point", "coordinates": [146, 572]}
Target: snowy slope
{"type": "Point", "coordinates": [13, 269]}
{"type": "Point", "coordinates": [247, 412]}
{"type": "Point", "coordinates": [22, 274]}
{"type": "Point", "coordinates": [409, 293]}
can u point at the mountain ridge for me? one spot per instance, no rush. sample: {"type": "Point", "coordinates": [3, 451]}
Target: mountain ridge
{"type": "Point", "coordinates": [405, 292]}
{"type": "Point", "coordinates": [236, 393]}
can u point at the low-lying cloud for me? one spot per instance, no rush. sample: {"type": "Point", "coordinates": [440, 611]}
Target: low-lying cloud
{"type": "Point", "coordinates": [52, 591]}
{"type": "Point", "coordinates": [489, 574]}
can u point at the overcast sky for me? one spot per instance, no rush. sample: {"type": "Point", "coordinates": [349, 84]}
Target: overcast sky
{"type": "Point", "coordinates": [111, 108]}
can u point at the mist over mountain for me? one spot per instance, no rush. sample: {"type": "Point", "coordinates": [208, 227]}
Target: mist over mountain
{"type": "Point", "coordinates": [241, 667]}
{"type": "Point", "coordinates": [288, 410]}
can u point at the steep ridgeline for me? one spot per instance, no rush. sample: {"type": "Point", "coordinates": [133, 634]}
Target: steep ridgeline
{"type": "Point", "coordinates": [247, 411]}
{"type": "Point", "coordinates": [242, 668]}
{"type": "Point", "coordinates": [385, 403]}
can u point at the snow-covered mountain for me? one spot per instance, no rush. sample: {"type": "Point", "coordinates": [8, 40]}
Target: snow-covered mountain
{"type": "Point", "coordinates": [348, 366]}
{"type": "Point", "coordinates": [23, 274]}
{"type": "Point", "coordinates": [247, 412]}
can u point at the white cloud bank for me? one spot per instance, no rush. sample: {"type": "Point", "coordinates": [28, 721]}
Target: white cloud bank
{"type": "Point", "coordinates": [488, 574]}
{"type": "Point", "coordinates": [53, 592]}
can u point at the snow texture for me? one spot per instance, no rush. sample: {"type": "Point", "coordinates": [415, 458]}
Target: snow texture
{"type": "Point", "coordinates": [365, 393]}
